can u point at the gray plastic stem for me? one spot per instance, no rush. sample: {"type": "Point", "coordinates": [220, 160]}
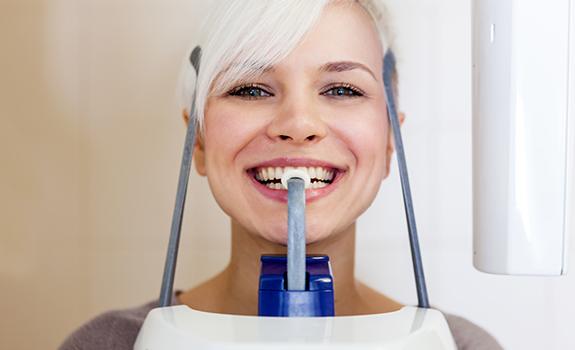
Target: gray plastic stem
{"type": "Point", "coordinates": [176, 228]}
{"type": "Point", "coordinates": [296, 275]}
{"type": "Point", "coordinates": [173, 244]}
{"type": "Point", "coordinates": [388, 69]}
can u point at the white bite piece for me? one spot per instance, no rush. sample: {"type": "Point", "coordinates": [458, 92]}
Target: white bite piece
{"type": "Point", "coordinates": [291, 173]}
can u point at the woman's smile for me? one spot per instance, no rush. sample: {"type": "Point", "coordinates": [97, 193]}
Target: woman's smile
{"type": "Point", "coordinates": [266, 177]}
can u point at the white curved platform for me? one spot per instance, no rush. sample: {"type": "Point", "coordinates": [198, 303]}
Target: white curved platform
{"type": "Point", "coordinates": [180, 327]}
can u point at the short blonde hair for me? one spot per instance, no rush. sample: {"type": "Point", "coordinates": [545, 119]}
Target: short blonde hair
{"type": "Point", "coordinates": [242, 38]}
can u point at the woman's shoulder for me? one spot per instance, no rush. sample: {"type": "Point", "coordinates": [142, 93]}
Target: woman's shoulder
{"type": "Point", "coordinates": [469, 336]}
{"type": "Point", "coordinates": [112, 330]}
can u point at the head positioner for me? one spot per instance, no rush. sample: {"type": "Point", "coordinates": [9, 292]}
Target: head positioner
{"type": "Point", "coordinates": [388, 72]}
{"type": "Point", "coordinates": [172, 255]}
{"type": "Point", "coordinates": [296, 262]}
{"type": "Point", "coordinates": [295, 181]}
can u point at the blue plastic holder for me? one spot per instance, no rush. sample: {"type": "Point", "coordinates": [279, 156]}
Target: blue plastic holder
{"type": "Point", "coordinates": [276, 300]}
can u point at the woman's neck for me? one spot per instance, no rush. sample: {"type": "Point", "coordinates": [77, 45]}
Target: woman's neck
{"type": "Point", "coordinates": [243, 271]}
{"type": "Point", "coordinates": [235, 290]}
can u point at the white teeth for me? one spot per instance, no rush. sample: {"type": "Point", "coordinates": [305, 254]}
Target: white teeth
{"type": "Point", "coordinates": [311, 172]}
{"type": "Point", "coordinates": [275, 173]}
{"type": "Point", "coordinates": [318, 184]}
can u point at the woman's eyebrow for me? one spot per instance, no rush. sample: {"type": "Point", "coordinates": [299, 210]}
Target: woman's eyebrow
{"type": "Point", "coordinates": [342, 66]}
{"type": "Point", "coordinates": [337, 66]}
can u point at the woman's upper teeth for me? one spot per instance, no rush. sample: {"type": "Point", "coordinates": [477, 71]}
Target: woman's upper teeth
{"type": "Point", "coordinates": [275, 173]}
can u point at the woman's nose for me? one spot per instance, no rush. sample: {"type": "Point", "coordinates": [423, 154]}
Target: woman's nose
{"type": "Point", "coordinates": [297, 121]}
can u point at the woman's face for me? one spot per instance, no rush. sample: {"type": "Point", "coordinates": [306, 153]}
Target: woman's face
{"type": "Point", "coordinates": [322, 108]}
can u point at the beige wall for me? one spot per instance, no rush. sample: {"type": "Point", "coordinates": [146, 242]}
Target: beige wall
{"type": "Point", "coordinates": [90, 144]}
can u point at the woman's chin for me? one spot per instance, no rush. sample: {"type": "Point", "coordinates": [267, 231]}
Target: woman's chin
{"type": "Point", "coordinates": [280, 236]}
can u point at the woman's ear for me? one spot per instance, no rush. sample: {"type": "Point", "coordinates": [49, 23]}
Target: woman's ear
{"type": "Point", "coordinates": [199, 153]}
{"type": "Point", "coordinates": [391, 145]}
{"type": "Point", "coordinates": [185, 116]}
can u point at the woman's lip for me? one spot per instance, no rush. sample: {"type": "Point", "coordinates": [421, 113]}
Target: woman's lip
{"type": "Point", "coordinates": [296, 162]}
{"type": "Point", "coordinates": [311, 194]}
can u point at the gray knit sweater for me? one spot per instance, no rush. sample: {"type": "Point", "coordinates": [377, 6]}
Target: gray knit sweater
{"type": "Point", "coordinates": [117, 330]}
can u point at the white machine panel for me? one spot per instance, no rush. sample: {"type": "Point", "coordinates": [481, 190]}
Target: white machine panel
{"type": "Point", "coordinates": [180, 327]}
{"type": "Point", "coordinates": [523, 122]}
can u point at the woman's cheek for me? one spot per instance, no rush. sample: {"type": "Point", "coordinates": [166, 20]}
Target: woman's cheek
{"type": "Point", "coordinates": [366, 139]}
{"type": "Point", "coordinates": [228, 131]}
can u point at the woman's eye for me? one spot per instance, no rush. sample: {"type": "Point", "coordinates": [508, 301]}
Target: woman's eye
{"type": "Point", "coordinates": [343, 91]}
{"type": "Point", "coordinates": [249, 92]}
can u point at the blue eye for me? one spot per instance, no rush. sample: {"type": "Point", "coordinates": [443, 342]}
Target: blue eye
{"type": "Point", "coordinates": [343, 90]}
{"type": "Point", "coordinates": [249, 92]}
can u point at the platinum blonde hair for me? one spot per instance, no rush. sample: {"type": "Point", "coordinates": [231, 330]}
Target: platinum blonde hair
{"type": "Point", "coordinates": [242, 38]}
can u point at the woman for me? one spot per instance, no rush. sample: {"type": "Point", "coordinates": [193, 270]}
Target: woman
{"type": "Point", "coordinates": [286, 84]}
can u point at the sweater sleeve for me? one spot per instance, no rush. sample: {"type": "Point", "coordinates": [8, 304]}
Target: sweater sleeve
{"type": "Point", "coordinates": [469, 336]}
{"type": "Point", "coordinates": [113, 330]}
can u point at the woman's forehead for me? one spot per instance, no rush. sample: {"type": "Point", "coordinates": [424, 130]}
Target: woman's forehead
{"type": "Point", "coordinates": [344, 38]}
{"type": "Point", "coordinates": [343, 32]}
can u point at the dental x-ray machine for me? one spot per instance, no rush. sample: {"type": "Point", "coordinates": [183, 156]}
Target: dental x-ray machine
{"type": "Point", "coordinates": [523, 193]}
